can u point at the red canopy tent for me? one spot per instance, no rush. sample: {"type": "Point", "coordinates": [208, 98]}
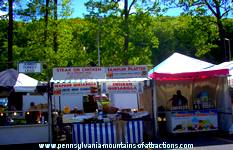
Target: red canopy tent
{"type": "Point", "coordinates": [191, 76]}
{"type": "Point", "coordinates": [181, 67]}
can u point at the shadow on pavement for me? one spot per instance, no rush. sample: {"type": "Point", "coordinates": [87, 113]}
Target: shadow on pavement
{"type": "Point", "coordinates": [198, 139]}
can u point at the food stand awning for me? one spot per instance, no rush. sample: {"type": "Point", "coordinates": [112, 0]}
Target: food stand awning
{"type": "Point", "coordinates": [98, 80]}
{"type": "Point", "coordinates": [181, 67]}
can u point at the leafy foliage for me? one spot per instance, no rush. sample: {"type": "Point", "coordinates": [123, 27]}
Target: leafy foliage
{"type": "Point", "coordinates": [151, 38]}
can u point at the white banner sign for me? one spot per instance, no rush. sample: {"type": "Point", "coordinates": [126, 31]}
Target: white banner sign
{"type": "Point", "coordinates": [29, 67]}
{"type": "Point", "coordinates": [74, 88]}
{"type": "Point", "coordinates": [69, 73]}
{"type": "Point", "coordinates": [193, 121]}
{"type": "Point", "coordinates": [126, 72]}
{"type": "Point", "coordinates": [122, 87]}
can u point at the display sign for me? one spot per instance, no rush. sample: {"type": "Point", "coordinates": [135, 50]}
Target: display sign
{"type": "Point", "coordinates": [126, 72]}
{"type": "Point", "coordinates": [193, 121]}
{"type": "Point", "coordinates": [29, 67]}
{"type": "Point", "coordinates": [74, 88]}
{"type": "Point", "coordinates": [122, 87]}
{"type": "Point", "coordinates": [69, 73]}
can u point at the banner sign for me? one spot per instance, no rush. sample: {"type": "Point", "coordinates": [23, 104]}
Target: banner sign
{"type": "Point", "coordinates": [194, 121]}
{"type": "Point", "coordinates": [74, 88]}
{"type": "Point", "coordinates": [126, 72]}
{"type": "Point", "coordinates": [69, 73]}
{"type": "Point", "coordinates": [29, 67]}
{"type": "Point", "coordinates": [122, 87]}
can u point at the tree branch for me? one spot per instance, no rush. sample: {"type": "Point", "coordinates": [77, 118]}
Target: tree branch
{"type": "Point", "coordinates": [210, 8]}
{"type": "Point", "coordinates": [116, 1]}
{"type": "Point", "coordinates": [133, 2]}
{"type": "Point", "coordinates": [133, 13]}
{"type": "Point", "coordinates": [225, 13]}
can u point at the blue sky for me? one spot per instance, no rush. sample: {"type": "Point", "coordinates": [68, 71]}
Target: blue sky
{"type": "Point", "coordinates": [79, 9]}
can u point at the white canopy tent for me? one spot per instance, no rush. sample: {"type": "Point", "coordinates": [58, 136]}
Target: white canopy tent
{"type": "Point", "coordinates": [18, 81]}
{"type": "Point", "coordinates": [227, 65]}
{"type": "Point", "coordinates": [179, 63]}
{"type": "Point", "coordinates": [25, 83]}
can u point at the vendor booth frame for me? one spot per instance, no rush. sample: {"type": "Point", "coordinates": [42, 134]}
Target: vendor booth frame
{"type": "Point", "coordinates": [95, 132]}
{"type": "Point", "coordinates": [191, 76]}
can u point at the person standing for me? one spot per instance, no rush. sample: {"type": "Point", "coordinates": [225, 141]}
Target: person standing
{"type": "Point", "coordinates": [178, 100]}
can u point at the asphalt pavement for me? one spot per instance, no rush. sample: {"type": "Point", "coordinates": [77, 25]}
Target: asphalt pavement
{"type": "Point", "coordinates": [200, 141]}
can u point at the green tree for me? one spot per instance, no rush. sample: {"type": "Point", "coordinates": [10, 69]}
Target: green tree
{"type": "Point", "coordinates": [115, 8]}
{"type": "Point", "coordinates": [43, 44]}
{"type": "Point", "coordinates": [192, 36]}
{"type": "Point", "coordinates": [217, 8]}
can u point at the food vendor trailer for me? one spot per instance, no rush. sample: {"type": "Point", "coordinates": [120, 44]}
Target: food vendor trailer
{"type": "Point", "coordinates": [203, 84]}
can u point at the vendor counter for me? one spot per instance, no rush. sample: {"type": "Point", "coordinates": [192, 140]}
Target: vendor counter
{"type": "Point", "coordinates": [109, 130]}
{"type": "Point", "coordinates": [130, 131]}
{"type": "Point", "coordinates": [182, 121]}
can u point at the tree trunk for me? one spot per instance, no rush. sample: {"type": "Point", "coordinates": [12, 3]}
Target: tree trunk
{"type": "Point", "coordinates": [221, 32]}
{"type": "Point", "coordinates": [10, 35]}
{"type": "Point", "coordinates": [55, 44]}
{"type": "Point", "coordinates": [126, 34]}
{"type": "Point", "coordinates": [46, 21]}
{"type": "Point", "coordinates": [222, 40]}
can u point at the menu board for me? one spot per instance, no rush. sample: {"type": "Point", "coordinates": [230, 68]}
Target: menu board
{"type": "Point", "coordinates": [120, 72]}
{"type": "Point", "coordinates": [122, 87]}
{"type": "Point", "coordinates": [126, 72]}
{"type": "Point", "coordinates": [74, 88]}
{"type": "Point", "coordinates": [70, 73]}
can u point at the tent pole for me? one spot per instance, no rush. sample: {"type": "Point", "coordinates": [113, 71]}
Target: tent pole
{"type": "Point", "coordinates": [49, 114]}
{"type": "Point", "coordinates": [138, 101]}
{"type": "Point", "coordinates": [154, 105]}
{"type": "Point", "coordinates": [59, 103]}
{"type": "Point", "coordinates": [49, 98]}
{"type": "Point", "coordinates": [100, 94]}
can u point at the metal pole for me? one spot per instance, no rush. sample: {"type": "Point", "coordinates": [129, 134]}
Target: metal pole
{"type": "Point", "coordinates": [98, 42]}
{"type": "Point", "coordinates": [49, 99]}
{"type": "Point", "coordinates": [59, 103]}
{"type": "Point", "coordinates": [100, 96]}
{"type": "Point", "coordinates": [49, 114]}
